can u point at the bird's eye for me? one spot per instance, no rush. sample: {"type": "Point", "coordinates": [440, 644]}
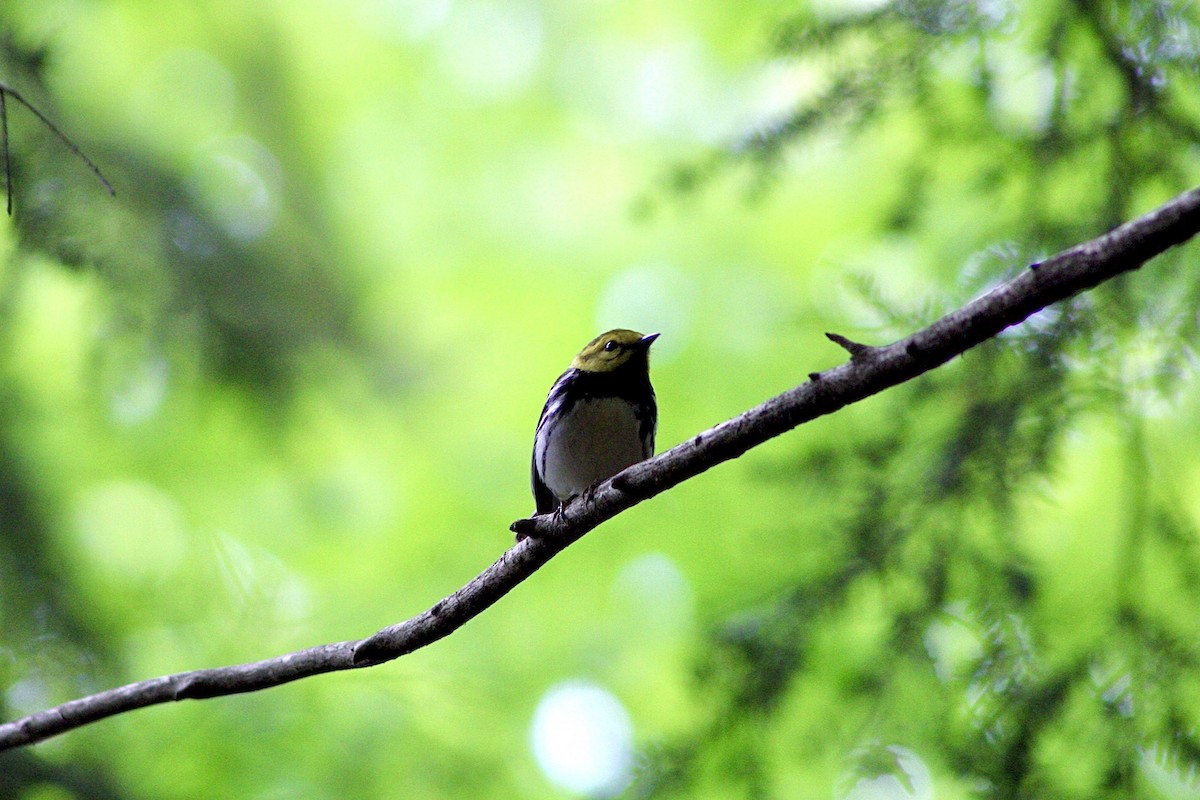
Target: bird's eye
{"type": "Point", "coordinates": [610, 345]}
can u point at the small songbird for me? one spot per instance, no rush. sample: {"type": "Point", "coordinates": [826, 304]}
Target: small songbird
{"type": "Point", "coordinates": [600, 418]}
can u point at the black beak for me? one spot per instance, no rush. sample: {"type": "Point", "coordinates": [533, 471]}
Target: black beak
{"type": "Point", "coordinates": [647, 340]}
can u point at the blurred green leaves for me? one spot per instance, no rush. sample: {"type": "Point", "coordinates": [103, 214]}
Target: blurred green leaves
{"type": "Point", "coordinates": [282, 389]}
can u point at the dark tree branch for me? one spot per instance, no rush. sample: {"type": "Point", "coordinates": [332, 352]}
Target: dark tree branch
{"type": "Point", "coordinates": [869, 371]}
{"type": "Point", "coordinates": [858, 352]}
{"type": "Point", "coordinates": [4, 151]}
{"type": "Point", "coordinates": [15, 95]}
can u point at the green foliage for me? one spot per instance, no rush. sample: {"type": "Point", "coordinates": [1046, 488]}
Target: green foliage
{"type": "Point", "coordinates": [1010, 539]}
{"type": "Point", "coordinates": [282, 390]}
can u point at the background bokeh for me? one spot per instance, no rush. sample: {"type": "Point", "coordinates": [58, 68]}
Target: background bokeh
{"type": "Point", "coordinates": [281, 390]}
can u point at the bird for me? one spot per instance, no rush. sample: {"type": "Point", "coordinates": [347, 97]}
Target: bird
{"type": "Point", "coordinates": [600, 417]}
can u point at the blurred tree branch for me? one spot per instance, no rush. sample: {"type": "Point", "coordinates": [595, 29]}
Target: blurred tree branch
{"type": "Point", "coordinates": [6, 92]}
{"type": "Point", "coordinates": [869, 371]}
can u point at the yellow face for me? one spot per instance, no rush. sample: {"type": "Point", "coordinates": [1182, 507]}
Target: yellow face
{"type": "Point", "coordinates": [608, 351]}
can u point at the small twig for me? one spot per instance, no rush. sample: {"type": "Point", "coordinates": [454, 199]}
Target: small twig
{"type": "Point", "coordinates": [4, 147]}
{"type": "Point", "coordinates": [15, 95]}
{"type": "Point", "coordinates": [523, 528]}
{"type": "Point", "coordinates": [856, 350]}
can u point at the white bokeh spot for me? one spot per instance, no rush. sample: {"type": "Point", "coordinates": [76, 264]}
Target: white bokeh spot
{"type": "Point", "coordinates": [582, 739]}
{"type": "Point", "coordinates": [909, 779]}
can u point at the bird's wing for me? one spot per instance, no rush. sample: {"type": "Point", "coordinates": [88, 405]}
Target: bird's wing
{"type": "Point", "coordinates": [543, 498]}
{"type": "Point", "coordinates": [649, 425]}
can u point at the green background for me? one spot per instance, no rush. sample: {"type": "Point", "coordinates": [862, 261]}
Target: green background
{"type": "Point", "coordinates": [282, 389]}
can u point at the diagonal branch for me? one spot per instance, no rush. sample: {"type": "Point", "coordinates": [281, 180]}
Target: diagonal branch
{"type": "Point", "coordinates": [8, 91]}
{"type": "Point", "coordinates": [870, 370]}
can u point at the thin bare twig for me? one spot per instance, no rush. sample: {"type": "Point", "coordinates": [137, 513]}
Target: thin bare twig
{"type": "Point", "coordinates": [4, 148]}
{"type": "Point", "coordinates": [15, 95]}
{"type": "Point", "coordinates": [869, 371]}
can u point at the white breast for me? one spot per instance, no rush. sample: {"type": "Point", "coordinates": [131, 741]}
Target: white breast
{"type": "Point", "coordinates": [597, 439]}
